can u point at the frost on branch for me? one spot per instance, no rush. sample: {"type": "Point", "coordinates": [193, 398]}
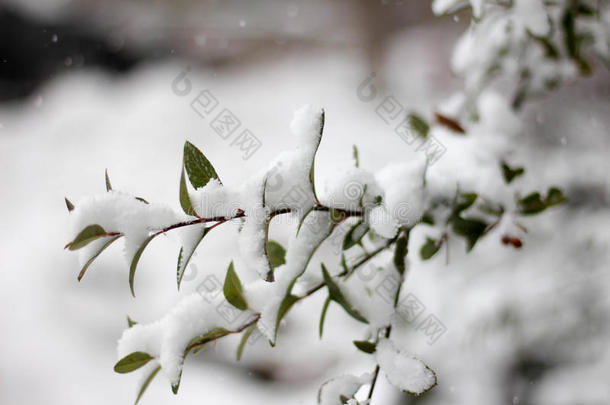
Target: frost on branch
{"type": "Point", "coordinates": [452, 198]}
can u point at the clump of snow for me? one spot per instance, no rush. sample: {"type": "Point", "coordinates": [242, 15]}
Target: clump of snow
{"type": "Point", "coordinates": [119, 212]}
{"type": "Point", "coordinates": [167, 338]}
{"type": "Point", "coordinates": [215, 200]}
{"type": "Point", "coordinates": [403, 371]}
{"type": "Point", "coordinates": [532, 15]}
{"type": "Point", "coordinates": [381, 222]}
{"type": "Point", "coordinates": [330, 392]}
{"type": "Point", "coordinates": [306, 125]}
{"type": "Point", "coordinates": [288, 181]}
{"type": "Point", "coordinates": [351, 189]}
{"type": "Point", "coordinates": [253, 234]}
{"type": "Point", "coordinates": [266, 298]}
{"type": "Point", "coordinates": [404, 193]}
{"type": "Point", "coordinates": [496, 115]}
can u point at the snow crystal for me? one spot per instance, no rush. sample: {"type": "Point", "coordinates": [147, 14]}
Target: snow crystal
{"type": "Point", "coordinates": [404, 372]}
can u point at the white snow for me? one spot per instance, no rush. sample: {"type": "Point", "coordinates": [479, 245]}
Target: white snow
{"type": "Point", "coordinates": [116, 211]}
{"type": "Point", "coordinates": [167, 338]}
{"type": "Point", "coordinates": [403, 371]}
{"type": "Point", "coordinates": [346, 385]}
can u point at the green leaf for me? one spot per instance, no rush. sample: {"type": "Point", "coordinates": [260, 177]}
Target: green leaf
{"type": "Point", "coordinates": [134, 263]}
{"type": "Point", "coordinates": [132, 362]}
{"type": "Point", "coordinates": [430, 248]}
{"type": "Point", "coordinates": [287, 303]}
{"type": "Point", "coordinates": [185, 200]}
{"type": "Point", "coordinates": [92, 258]}
{"type": "Point", "coordinates": [534, 204]}
{"type": "Point", "coordinates": [244, 339]}
{"type": "Point", "coordinates": [197, 344]}
{"type": "Point", "coordinates": [510, 174]}
{"type": "Point", "coordinates": [130, 322]}
{"type": "Point", "coordinates": [276, 254]}
{"type": "Point", "coordinates": [198, 168]}
{"type": "Point", "coordinates": [184, 257]}
{"type": "Point", "coordinates": [569, 31]}
{"type": "Point", "coordinates": [531, 204]}
{"type": "Point", "coordinates": [69, 205]}
{"type": "Point", "coordinates": [344, 264]}
{"type": "Point", "coordinates": [206, 338]}
{"type": "Point", "coordinates": [323, 315]}
{"type": "Point", "coordinates": [86, 236]}
{"type": "Point", "coordinates": [463, 202]}
{"type": "Point", "coordinates": [303, 218]}
{"type": "Point", "coordinates": [554, 197]}
{"type": "Point", "coordinates": [491, 208]}
{"type": "Point", "coordinates": [367, 347]}
{"type": "Point", "coordinates": [336, 295]}
{"type": "Point", "coordinates": [233, 290]}
{"type": "Point", "coordinates": [355, 235]}
{"type": "Point", "coordinates": [356, 156]}
{"type": "Point", "coordinates": [419, 125]}
{"type": "Point", "coordinates": [551, 51]}
{"type": "Point", "coordinates": [400, 253]}
{"type": "Point", "coordinates": [146, 383]}
{"type": "Point", "coordinates": [471, 229]}
{"type": "Point", "coordinates": [108, 185]}
{"type": "Point", "coordinates": [427, 218]}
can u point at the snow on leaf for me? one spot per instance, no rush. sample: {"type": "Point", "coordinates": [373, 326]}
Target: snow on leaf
{"type": "Point", "coordinates": [191, 238]}
{"type": "Point", "coordinates": [191, 324]}
{"type": "Point", "coordinates": [334, 391]}
{"type": "Point", "coordinates": [403, 371]}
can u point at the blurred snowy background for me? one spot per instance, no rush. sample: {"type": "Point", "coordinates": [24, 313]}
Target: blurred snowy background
{"type": "Point", "coordinates": [87, 85]}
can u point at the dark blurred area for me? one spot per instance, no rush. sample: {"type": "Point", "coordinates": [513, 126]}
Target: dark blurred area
{"type": "Point", "coordinates": [33, 51]}
{"type": "Point", "coordinates": [37, 46]}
